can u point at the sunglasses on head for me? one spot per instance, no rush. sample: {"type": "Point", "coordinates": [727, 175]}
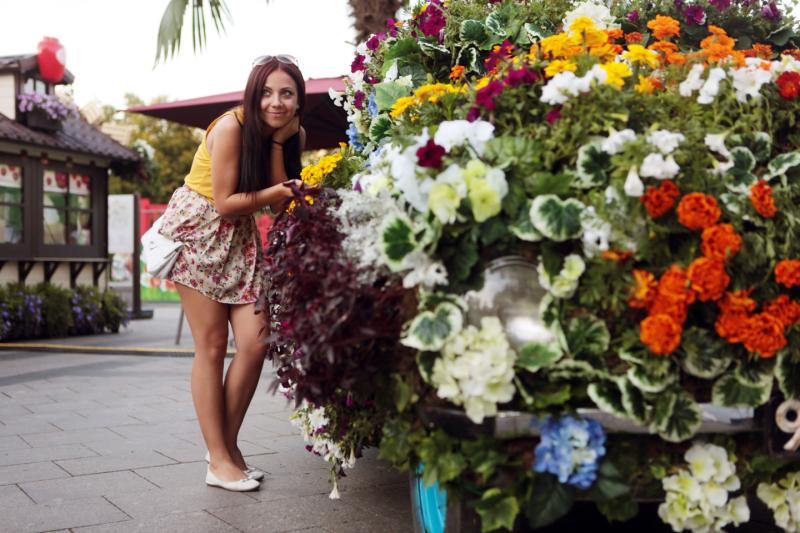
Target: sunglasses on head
{"type": "Point", "coordinates": [283, 58]}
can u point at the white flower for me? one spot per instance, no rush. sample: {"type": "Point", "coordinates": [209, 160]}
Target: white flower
{"type": "Point", "coordinates": [710, 88]}
{"type": "Point", "coordinates": [453, 133]}
{"type": "Point", "coordinates": [655, 166]}
{"type": "Point", "coordinates": [424, 271]}
{"type": "Point", "coordinates": [391, 74]}
{"type": "Point", "coordinates": [336, 96]}
{"type": "Point", "coordinates": [693, 81]}
{"type": "Point", "coordinates": [697, 498]}
{"type": "Point", "coordinates": [716, 143]}
{"type": "Point", "coordinates": [613, 143]}
{"type": "Point", "coordinates": [476, 369]}
{"type": "Point", "coordinates": [317, 418]}
{"type": "Point", "coordinates": [633, 184]}
{"type": "Point", "coordinates": [565, 84]}
{"type": "Point", "coordinates": [783, 499]}
{"type": "Point", "coordinates": [596, 232]}
{"type": "Point", "coordinates": [665, 140]}
{"type": "Point", "coordinates": [748, 81]}
{"type": "Point", "coordinates": [599, 13]}
{"type": "Point", "coordinates": [496, 179]}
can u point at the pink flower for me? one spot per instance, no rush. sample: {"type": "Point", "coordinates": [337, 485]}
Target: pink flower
{"type": "Point", "coordinates": [516, 77]}
{"type": "Point", "coordinates": [553, 115]}
{"type": "Point", "coordinates": [485, 96]}
{"type": "Point", "coordinates": [375, 41]}
{"type": "Point", "coordinates": [358, 99]}
{"type": "Point", "coordinates": [431, 21]}
{"type": "Point", "coordinates": [358, 64]}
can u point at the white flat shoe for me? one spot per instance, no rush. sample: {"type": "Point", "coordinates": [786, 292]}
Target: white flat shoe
{"type": "Point", "coordinates": [252, 473]}
{"type": "Point", "coordinates": [242, 485]}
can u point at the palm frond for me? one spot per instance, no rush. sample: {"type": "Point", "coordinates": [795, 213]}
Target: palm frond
{"type": "Point", "coordinates": [169, 32]}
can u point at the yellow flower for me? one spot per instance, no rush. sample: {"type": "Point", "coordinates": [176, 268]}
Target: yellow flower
{"type": "Point", "coordinates": [401, 105]}
{"type": "Point", "coordinates": [533, 53]}
{"type": "Point", "coordinates": [483, 82]}
{"type": "Point", "coordinates": [313, 175]}
{"type": "Point", "coordinates": [582, 23]}
{"type": "Point", "coordinates": [559, 65]}
{"type": "Point", "coordinates": [484, 199]}
{"type": "Point", "coordinates": [561, 45]}
{"type": "Point", "coordinates": [605, 52]}
{"type": "Point", "coordinates": [645, 85]}
{"type": "Point", "coordinates": [639, 54]}
{"type": "Point", "coordinates": [594, 38]}
{"type": "Point", "coordinates": [616, 74]}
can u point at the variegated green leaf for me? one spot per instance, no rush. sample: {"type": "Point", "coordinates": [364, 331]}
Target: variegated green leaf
{"type": "Point", "coordinates": [534, 33]}
{"type": "Point", "coordinates": [593, 166]}
{"type": "Point", "coordinates": [705, 354]}
{"type": "Point", "coordinates": [472, 31]}
{"type": "Point", "coordinates": [497, 23]}
{"type": "Point", "coordinates": [743, 158]}
{"type": "Point", "coordinates": [607, 396]}
{"type": "Point", "coordinates": [782, 164]}
{"type": "Point", "coordinates": [432, 49]}
{"type": "Point", "coordinates": [430, 330]}
{"type": "Point", "coordinates": [468, 58]}
{"type": "Point", "coordinates": [536, 355]}
{"type": "Point", "coordinates": [787, 371]}
{"type": "Point", "coordinates": [662, 411]}
{"type": "Point", "coordinates": [737, 389]}
{"type": "Point", "coordinates": [634, 403]}
{"type": "Point", "coordinates": [522, 228]}
{"type": "Point", "coordinates": [572, 369]}
{"type": "Point", "coordinates": [397, 240]}
{"type": "Point", "coordinates": [587, 335]}
{"type": "Point", "coordinates": [557, 219]}
{"type": "Point", "coordinates": [684, 420]}
{"type": "Point", "coordinates": [379, 127]}
{"type": "Point", "coordinates": [652, 377]}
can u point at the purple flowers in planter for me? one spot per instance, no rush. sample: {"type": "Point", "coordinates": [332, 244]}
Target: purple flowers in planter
{"type": "Point", "coordinates": [50, 104]}
{"type": "Point", "coordinates": [771, 11]}
{"type": "Point", "coordinates": [721, 5]}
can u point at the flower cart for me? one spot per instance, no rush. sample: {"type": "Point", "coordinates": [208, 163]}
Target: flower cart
{"type": "Point", "coordinates": [557, 263]}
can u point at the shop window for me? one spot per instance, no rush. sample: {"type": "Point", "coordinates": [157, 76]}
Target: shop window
{"type": "Point", "coordinates": [67, 208]}
{"type": "Point", "coordinates": [11, 204]}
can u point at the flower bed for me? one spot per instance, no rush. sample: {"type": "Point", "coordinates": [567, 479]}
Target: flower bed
{"type": "Point", "coordinates": [561, 207]}
{"type": "Point", "coordinates": [45, 310]}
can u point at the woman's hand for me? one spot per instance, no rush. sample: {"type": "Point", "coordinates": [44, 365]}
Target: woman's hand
{"type": "Point", "coordinates": [287, 130]}
{"type": "Point", "coordinates": [286, 195]}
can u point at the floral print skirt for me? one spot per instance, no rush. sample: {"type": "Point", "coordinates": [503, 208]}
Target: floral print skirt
{"type": "Point", "coordinates": [221, 256]}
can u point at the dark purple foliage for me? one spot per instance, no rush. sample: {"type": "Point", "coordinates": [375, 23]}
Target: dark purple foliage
{"type": "Point", "coordinates": [329, 332]}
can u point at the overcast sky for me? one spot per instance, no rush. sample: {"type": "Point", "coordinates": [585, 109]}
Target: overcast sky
{"type": "Point", "coordinates": [111, 44]}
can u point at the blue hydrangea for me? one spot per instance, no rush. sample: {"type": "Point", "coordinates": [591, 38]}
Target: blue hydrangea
{"type": "Point", "coordinates": [372, 106]}
{"type": "Point", "coordinates": [353, 138]}
{"type": "Point", "coordinates": [570, 448]}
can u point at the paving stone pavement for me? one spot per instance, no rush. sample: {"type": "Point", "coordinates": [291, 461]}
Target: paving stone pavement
{"type": "Point", "coordinates": [99, 443]}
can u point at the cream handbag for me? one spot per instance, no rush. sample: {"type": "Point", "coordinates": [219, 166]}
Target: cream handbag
{"type": "Point", "coordinates": [159, 253]}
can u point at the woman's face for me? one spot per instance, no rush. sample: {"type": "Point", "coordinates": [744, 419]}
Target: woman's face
{"type": "Point", "coordinates": [278, 99]}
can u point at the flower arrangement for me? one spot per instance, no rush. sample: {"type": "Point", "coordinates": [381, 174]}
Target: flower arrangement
{"type": "Point", "coordinates": [643, 159]}
{"type": "Point", "coordinates": [50, 104]}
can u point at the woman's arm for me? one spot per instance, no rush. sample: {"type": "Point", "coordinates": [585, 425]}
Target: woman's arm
{"type": "Point", "coordinates": [225, 151]}
{"type": "Point", "coordinates": [276, 160]}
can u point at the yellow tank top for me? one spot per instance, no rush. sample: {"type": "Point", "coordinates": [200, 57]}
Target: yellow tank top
{"type": "Point", "coordinates": [199, 177]}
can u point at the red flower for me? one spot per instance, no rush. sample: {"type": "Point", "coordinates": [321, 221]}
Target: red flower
{"type": "Point", "coordinates": [485, 96]}
{"type": "Point", "coordinates": [430, 155]}
{"type": "Point", "coordinates": [787, 272]}
{"type": "Point", "coordinates": [789, 85]}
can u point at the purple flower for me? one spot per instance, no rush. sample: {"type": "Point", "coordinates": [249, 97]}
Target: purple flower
{"type": "Point", "coordinates": [358, 99]}
{"type": "Point", "coordinates": [431, 21]}
{"type": "Point", "coordinates": [430, 155]}
{"type": "Point", "coordinates": [632, 16]}
{"type": "Point", "coordinates": [516, 77]}
{"type": "Point", "coordinates": [695, 14]}
{"type": "Point", "coordinates": [473, 114]}
{"type": "Point", "coordinates": [375, 41]}
{"type": "Point", "coordinates": [771, 11]}
{"type": "Point", "coordinates": [721, 5]}
{"type": "Point", "coordinates": [553, 116]}
{"type": "Point", "coordinates": [485, 96]}
{"type": "Point", "coordinates": [679, 5]}
{"type": "Point", "coordinates": [391, 27]}
{"type": "Point", "coordinates": [358, 64]}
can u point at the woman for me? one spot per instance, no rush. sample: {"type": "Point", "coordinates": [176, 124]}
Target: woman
{"type": "Point", "coordinates": [243, 164]}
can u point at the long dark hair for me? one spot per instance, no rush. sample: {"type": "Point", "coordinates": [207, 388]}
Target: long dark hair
{"type": "Point", "coordinates": [254, 160]}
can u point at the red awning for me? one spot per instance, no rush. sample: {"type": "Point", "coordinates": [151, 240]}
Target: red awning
{"type": "Point", "coordinates": [325, 123]}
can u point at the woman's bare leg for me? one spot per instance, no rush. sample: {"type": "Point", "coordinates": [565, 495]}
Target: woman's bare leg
{"type": "Point", "coordinates": [208, 321]}
{"type": "Point", "coordinates": [244, 371]}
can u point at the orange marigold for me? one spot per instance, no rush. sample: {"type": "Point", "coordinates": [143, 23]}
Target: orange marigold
{"type": "Point", "coordinates": [732, 326]}
{"type": "Point", "coordinates": [720, 242]}
{"type": "Point", "coordinates": [764, 335]}
{"type": "Point", "coordinates": [709, 279]}
{"type": "Point", "coordinates": [644, 291]}
{"type": "Point", "coordinates": [661, 334]}
{"type": "Point", "coordinates": [763, 51]}
{"type": "Point", "coordinates": [456, 72]}
{"type": "Point", "coordinates": [737, 302]}
{"type": "Point", "coordinates": [616, 255]}
{"type": "Point", "coordinates": [664, 27]}
{"type": "Point", "coordinates": [614, 34]}
{"type": "Point", "coordinates": [673, 295]}
{"type": "Point", "coordinates": [794, 52]}
{"type": "Point", "coordinates": [784, 309]}
{"type": "Point", "coordinates": [698, 211]}
{"type": "Point", "coordinates": [787, 273]}
{"type": "Point", "coordinates": [762, 200]}
{"type": "Point", "coordinates": [633, 37]}
{"type": "Point", "coordinates": [659, 201]}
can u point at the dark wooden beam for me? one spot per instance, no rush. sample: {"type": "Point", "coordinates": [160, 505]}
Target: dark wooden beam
{"type": "Point", "coordinates": [50, 268]}
{"type": "Point", "coordinates": [74, 271]}
{"type": "Point", "coordinates": [23, 269]}
{"type": "Point", "coordinates": [97, 271]}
